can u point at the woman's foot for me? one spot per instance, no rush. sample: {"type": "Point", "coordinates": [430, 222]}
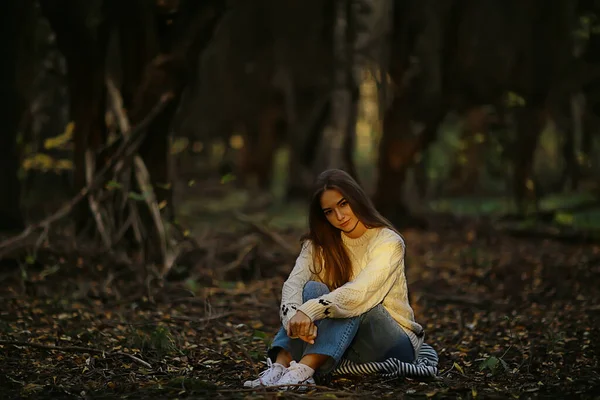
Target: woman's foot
{"type": "Point", "coordinates": [297, 374]}
{"type": "Point", "coordinates": [268, 377]}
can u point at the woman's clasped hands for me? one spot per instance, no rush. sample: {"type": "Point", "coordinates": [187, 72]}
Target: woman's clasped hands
{"type": "Point", "coordinates": [302, 327]}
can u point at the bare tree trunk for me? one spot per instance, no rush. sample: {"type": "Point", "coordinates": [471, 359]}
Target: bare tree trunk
{"type": "Point", "coordinates": [16, 17]}
{"type": "Point", "coordinates": [84, 46]}
{"type": "Point", "coordinates": [171, 72]}
{"type": "Point", "coordinates": [400, 145]}
{"type": "Point", "coordinates": [333, 151]}
{"type": "Point", "coordinates": [138, 45]}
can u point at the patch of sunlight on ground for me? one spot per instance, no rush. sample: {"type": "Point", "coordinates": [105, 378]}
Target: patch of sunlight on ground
{"type": "Point", "coordinates": [565, 200]}
{"type": "Point", "coordinates": [585, 219]}
{"type": "Point", "coordinates": [589, 219]}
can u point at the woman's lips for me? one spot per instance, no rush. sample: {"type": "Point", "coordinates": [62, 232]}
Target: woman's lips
{"type": "Point", "coordinates": [344, 223]}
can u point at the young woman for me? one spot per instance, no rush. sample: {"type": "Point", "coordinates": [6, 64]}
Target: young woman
{"type": "Point", "coordinates": [346, 296]}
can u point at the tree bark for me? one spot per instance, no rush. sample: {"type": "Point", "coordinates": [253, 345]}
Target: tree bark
{"type": "Point", "coordinates": [414, 100]}
{"type": "Point", "coordinates": [16, 17]}
{"type": "Point", "coordinates": [398, 149]}
{"type": "Point", "coordinates": [333, 151]}
{"type": "Point", "coordinates": [138, 45]}
{"type": "Point", "coordinates": [82, 32]}
{"type": "Point", "coordinates": [192, 30]}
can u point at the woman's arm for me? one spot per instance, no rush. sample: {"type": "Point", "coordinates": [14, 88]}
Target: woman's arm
{"type": "Point", "coordinates": [291, 293]}
{"type": "Point", "coordinates": [384, 266]}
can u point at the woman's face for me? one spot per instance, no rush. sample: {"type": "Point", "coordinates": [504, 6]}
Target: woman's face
{"type": "Point", "coordinates": [339, 214]}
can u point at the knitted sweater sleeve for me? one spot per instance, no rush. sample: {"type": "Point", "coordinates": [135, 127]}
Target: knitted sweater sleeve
{"type": "Point", "coordinates": [385, 265]}
{"type": "Point", "coordinates": [291, 293]}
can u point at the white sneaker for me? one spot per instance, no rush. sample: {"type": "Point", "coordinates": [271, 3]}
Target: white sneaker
{"type": "Point", "coordinates": [268, 377]}
{"type": "Point", "coordinates": [297, 374]}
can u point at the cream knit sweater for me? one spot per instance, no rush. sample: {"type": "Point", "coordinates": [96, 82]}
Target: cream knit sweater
{"type": "Point", "coordinates": [377, 278]}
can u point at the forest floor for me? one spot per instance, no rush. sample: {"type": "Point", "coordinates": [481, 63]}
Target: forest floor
{"type": "Point", "coordinates": [510, 318]}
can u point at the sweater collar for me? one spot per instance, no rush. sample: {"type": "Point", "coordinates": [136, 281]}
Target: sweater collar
{"type": "Point", "coordinates": [364, 238]}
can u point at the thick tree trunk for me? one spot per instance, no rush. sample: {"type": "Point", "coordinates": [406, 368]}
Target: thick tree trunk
{"type": "Point", "coordinates": [417, 98]}
{"type": "Point", "coordinates": [398, 149]}
{"type": "Point", "coordinates": [138, 45]}
{"type": "Point", "coordinates": [265, 133]}
{"type": "Point", "coordinates": [15, 16]}
{"type": "Point", "coordinates": [193, 29]}
{"type": "Point", "coordinates": [84, 46]}
{"type": "Point", "coordinates": [304, 143]}
{"type": "Point", "coordinates": [465, 173]}
{"type": "Point", "coordinates": [530, 122]}
{"type": "Point", "coordinates": [333, 150]}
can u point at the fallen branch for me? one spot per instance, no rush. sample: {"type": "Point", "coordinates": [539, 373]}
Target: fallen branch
{"type": "Point", "coordinates": [204, 319]}
{"type": "Point", "coordinates": [267, 232]}
{"type": "Point", "coordinates": [238, 261]}
{"type": "Point", "coordinates": [142, 177]}
{"type": "Point", "coordinates": [75, 349]}
{"type": "Point", "coordinates": [126, 146]}
{"type": "Point", "coordinates": [90, 166]}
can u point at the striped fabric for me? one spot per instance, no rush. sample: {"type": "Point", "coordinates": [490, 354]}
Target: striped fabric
{"type": "Point", "coordinates": [426, 366]}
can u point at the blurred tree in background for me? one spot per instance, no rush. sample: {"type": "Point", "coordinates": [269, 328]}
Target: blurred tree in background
{"type": "Point", "coordinates": [422, 101]}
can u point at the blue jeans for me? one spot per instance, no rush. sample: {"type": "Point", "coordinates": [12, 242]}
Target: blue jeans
{"type": "Point", "coordinates": [372, 336]}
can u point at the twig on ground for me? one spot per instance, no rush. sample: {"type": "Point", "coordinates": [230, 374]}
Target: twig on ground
{"type": "Point", "coordinates": [190, 300]}
{"type": "Point", "coordinates": [267, 232]}
{"type": "Point", "coordinates": [238, 261]}
{"type": "Point", "coordinates": [75, 349]}
{"type": "Point", "coordinates": [282, 386]}
{"type": "Point", "coordinates": [203, 319]}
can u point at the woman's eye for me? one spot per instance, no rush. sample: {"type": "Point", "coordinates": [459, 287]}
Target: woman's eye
{"type": "Point", "coordinates": [327, 212]}
{"type": "Point", "coordinates": [344, 204]}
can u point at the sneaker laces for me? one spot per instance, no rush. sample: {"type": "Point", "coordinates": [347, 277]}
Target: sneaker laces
{"type": "Point", "coordinates": [265, 378]}
{"type": "Point", "coordinates": [266, 371]}
{"type": "Point", "coordinates": [296, 374]}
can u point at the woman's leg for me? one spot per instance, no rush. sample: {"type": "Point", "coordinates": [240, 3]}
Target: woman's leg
{"type": "Point", "coordinates": [378, 338]}
{"type": "Point", "coordinates": [333, 338]}
{"type": "Point", "coordinates": [284, 349]}
{"type": "Point", "coordinates": [333, 335]}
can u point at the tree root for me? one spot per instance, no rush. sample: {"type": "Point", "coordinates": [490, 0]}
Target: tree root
{"type": "Point", "coordinates": [127, 146]}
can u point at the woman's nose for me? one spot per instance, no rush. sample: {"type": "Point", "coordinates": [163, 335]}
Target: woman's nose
{"type": "Point", "coordinates": [339, 215]}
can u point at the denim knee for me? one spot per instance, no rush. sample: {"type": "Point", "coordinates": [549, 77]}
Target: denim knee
{"type": "Point", "coordinates": [314, 289]}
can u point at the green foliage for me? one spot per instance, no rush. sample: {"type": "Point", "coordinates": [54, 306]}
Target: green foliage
{"type": "Point", "coordinates": [515, 100]}
{"type": "Point", "coordinates": [493, 364]}
{"type": "Point", "coordinates": [61, 141]}
{"type": "Point", "coordinates": [227, 178]}
{"type": "Point", "coordinates": [554, 339]}
{"type": "Point", "coordinates": [264, 337]}
{"type": "Point", "coordinates": [112, 185]}
{"type": "Point", "coordinates": [190, 283]}
{"type": "Point", "coordinates": [45, 162]}
{"type": "Point", "coordinates": [138, 196]}
{"type": "Point", "coordinates": [162, 341]}
{"type": "Point", "coordinates": [159, 341]}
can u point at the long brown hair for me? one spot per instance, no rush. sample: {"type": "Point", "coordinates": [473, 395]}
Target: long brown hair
{"type": "Point", "coordinates": [329, 252]}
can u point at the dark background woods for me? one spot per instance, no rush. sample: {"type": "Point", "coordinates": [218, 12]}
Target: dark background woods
{"type": "Point", "coordinates": [153, 149]}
